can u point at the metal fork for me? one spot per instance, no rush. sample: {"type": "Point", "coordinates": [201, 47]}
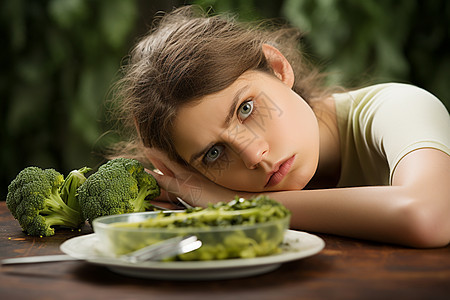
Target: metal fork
{"type": "Point", "coordinates": [185, 204]}
{"type": "Point", "coordinates": [156, 252]}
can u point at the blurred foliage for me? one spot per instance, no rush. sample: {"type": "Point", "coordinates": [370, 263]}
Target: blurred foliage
{"type": "Point", "coordinates": [59, 57]}
{"type": "Point", "coordinates": [365, 42]}
{"type": "Point", "coordinates": [373, 41]}
{"type": "Point", "coordinates": [249, 10]}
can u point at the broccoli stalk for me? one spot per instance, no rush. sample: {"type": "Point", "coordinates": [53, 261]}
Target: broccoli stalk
{"type": "Point", "coordinates": [147, 190]}
{"type": "Point", "coordinates": [56, 212]}
{"type": "Point", "coordinates": [34, 200]}
{"type": "Point", "coordinates": [139, 203]}
{"type": "Point", "coordinates": [69, 188]}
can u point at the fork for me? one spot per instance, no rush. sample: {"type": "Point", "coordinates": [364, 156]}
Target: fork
{"type": "Point", "coordinates": [156, 252]}
{"type": "Point", "coordinates": [185, 204]}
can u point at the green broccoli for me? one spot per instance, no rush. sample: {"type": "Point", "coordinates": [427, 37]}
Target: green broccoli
{"type": "Point", "coordinates": [34, 200]}
{"type": "Point", "coordinates": [70, 186]}
{"type": "Point", "coordinates": [119, 186]}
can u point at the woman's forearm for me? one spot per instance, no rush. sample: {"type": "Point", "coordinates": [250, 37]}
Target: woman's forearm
{"type": "Point", "coordinates": [384, 213]}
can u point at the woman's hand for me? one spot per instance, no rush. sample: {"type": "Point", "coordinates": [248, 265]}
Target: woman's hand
{"type": "Point", "coordinates": [178, 181]}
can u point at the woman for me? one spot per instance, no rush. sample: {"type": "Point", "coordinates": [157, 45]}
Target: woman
{"type": "Point", "coordinates": [221, 109]}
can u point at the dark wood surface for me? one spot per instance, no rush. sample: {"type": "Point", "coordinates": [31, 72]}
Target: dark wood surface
{"type": "Point", "coordinates": [345, 269]}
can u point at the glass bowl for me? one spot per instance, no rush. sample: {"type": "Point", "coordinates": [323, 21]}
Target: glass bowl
{"type": "Point", "coordinates": [218, 242]}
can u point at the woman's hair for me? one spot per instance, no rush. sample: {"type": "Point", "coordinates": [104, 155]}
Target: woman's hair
{"type": "Point", "coordinates": [188, 55]}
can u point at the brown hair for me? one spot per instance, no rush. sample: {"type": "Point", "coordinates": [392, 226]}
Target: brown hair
{"type": "Point", "coordinates": [188, 55]}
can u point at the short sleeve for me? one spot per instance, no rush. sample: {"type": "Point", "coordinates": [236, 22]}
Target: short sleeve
{"type": "Point", "coordinates": [407, 118]}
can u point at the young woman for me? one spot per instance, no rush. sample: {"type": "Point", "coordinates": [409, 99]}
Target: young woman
{"type": "Point", "coordinates": [222, 109]}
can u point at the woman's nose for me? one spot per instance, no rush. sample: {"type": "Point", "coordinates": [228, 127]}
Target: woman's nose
{"type": "Point", "coordinates": [254, 153]}
{"type": "Point", "coordinates": [249, 145]}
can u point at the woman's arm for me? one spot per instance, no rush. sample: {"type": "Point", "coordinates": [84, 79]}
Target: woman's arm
{"type": "Point", "coordinates": [414, 211]}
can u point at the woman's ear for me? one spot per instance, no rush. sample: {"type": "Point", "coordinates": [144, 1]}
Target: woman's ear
{"type": "Point", "coordinates": [279, 64]}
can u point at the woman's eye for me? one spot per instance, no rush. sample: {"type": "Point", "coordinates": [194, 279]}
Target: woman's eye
{"type": "Point", "coordinates": [213, 154]}
{"type": "Point", "coordinates": [245, 110]}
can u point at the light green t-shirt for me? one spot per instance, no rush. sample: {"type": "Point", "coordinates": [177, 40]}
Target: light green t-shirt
{"type": "Point", "coordinates": [380, 124]}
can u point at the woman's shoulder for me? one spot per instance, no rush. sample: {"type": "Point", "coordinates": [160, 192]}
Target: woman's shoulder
{"type": "Point", "coordinates": [396, 94]}
{"type": "Point", "coordinates": [390, 120]}
{"type": "Point", "coordinates": [391, 105]}
{"type": "Point", "coordinates": [392, 88]}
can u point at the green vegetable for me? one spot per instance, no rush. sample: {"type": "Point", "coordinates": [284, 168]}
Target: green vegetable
{"type": "Point", "coordinates": [34, 199]}
{"type": "Point", "coordinates": [240, 228]}
{"type": "Point", "coordinates": [239, 211]}
{"type": "Point", "coordinates": [69, 188]}
{"type": "Point", "coordinates": [119, 186]}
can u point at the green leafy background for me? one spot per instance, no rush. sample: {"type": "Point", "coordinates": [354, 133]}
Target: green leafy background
{"type": "Point", "coordinates": [59, 58]}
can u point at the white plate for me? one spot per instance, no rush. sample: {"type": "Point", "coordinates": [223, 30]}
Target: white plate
{"type": "Point", "coordinates": [296, 245]}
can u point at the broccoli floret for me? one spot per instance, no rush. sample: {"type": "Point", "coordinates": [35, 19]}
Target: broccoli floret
{"type": "Point", "coordinates": [34, 200]}
{"type": "Point", "coordinates": [119, 186]}
{"type": "Point", "coordinates": [70, 186]}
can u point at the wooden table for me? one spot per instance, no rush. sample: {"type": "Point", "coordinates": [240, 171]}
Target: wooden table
{"type": "Point", "coordinates": [345, 269]}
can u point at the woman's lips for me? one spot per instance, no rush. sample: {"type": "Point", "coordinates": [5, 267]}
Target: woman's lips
{"type": "Point", "coordinates": [280, 172]}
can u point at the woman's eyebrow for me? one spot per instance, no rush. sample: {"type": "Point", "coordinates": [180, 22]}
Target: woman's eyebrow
{"type": "Point", "coordinates": [195, 156]}
{"type": "Point", "coordinates": [234, 103]}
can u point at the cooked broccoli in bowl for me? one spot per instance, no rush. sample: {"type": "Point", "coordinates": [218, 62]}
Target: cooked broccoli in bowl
{"type": "Point", "coordinates": [241, 228]}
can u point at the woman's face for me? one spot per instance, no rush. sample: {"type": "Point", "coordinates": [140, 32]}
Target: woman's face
{"type": "Point", "coordinates": [256, 135]}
